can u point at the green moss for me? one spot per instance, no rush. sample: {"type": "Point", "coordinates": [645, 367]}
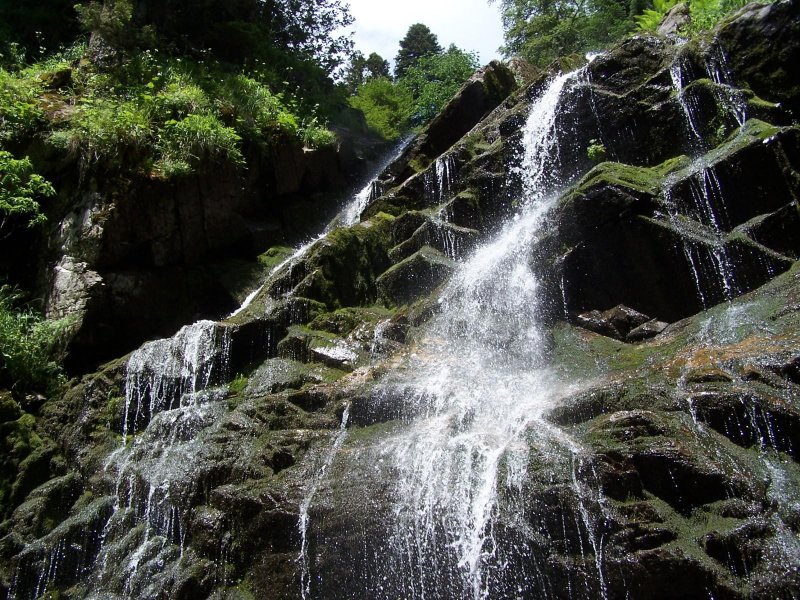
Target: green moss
{"type": "Point", "coordinates": [344, 266]}
{"type": "Point", "coordinates": [345, 320]}
{"type": "Point", "coordinates": [618, 174]}
{"type": "Point", "coordinates": [274, 257]}
{"type": "Point", "coordinates": [237, 385]}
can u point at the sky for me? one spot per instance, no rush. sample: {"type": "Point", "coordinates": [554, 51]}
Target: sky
{"type": "Point", "coordinates": [472, 25]}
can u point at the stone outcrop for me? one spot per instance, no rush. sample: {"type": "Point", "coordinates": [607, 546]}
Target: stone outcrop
{"type": "Point", "coordinates": [134, 260]}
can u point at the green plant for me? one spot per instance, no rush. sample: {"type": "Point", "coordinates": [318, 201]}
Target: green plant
{"type": "Point", "coordinates": [196, 138]}
{"type": "Point", "coordinates": [28, 345]}
{"type": "Point", "coordinates": [650, 19]}
{"type": "Point", "coordinates": [19, 106]}
{"type": "Point", "coordinates": [20, 192]}
{"type": "Point", "coordinates": [432, 80]}
{"type": "Point", "coordinates": [314, 135]}
{"type": "Point", "coordinates": [105, 131]}
{"type": "Point", "coordinates": [596, 151]}
{"type": "Point", "coordinates": [385, 106]}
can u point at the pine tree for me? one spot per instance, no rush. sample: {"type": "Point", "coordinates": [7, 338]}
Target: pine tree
{"type": "Point", "coordinates": [376, 66]}
{"type": "Point", "coordinates": [418, 42]}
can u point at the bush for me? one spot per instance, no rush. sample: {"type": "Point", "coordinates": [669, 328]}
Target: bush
{"type": "Point", "coordinates": [20, 191]}
{"type": "Point", "coordinates": [105, 132]}
{"type": "Point", "coordinates": [196, 138]}
{"type": "Point", "coordinates": [19, 108]}
{"type": "Point", "coordinates": [27, 346]}
{"type": "Point", "coordinates": [385, 107]}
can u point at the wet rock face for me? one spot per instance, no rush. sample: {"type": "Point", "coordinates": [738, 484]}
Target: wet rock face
{"type": "Point", "coordinates": [647, 238]}
{"type": "Point", "coordinates": [761, 43]}
{"type": "Point", "coordinates": [117, 250]}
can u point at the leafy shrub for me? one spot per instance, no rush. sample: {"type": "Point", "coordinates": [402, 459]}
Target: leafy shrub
{"type": "Point", "coordinates": [385, 107]}
{"type": "Point", "coordinates": [432, 80]}
{"type": "Point", "coordinates": [27, 346]}
{"type": "Point", "coordinates": [314, 135]}
{"type": "Point", "coordinates": [20, 191]}
{"type": "Point", "coordinates": [19, 108]}
{"type": "Point", "coordinates": [195, 138]}
{"type": "Point", "coordinates": [178, 99]}
{"type": "Point", "coordinates": [650, 19]}
{"type": "Point", "coordinates": [596, 151]}
{"type": "Point", "coordinates": [105, 131]}
{"type": "Point", "coordinates": [255, 109]}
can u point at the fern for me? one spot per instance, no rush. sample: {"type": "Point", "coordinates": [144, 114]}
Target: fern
{"type": "Point", "coordinates": [651, 17]}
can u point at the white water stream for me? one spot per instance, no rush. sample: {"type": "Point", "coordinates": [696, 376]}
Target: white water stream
{"type": "Point", "coordinates": [478, 388]}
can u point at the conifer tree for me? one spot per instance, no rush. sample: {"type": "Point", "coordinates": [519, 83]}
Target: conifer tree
{"type": "Point", "coordinates": [418, 42]}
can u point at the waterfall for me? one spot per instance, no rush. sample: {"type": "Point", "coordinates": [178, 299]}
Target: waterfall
{"type": "Point", "coordinates": [476, 387]}
{"type": "Point", "coordinates": [351, 213]}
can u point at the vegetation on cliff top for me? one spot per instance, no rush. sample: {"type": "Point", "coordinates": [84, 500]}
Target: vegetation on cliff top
{"type": "Point", "coordinates": [543, 30]}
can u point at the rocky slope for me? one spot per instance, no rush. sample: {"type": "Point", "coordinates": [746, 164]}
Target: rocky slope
{"type": "Point", "coordinates": [250, 458]}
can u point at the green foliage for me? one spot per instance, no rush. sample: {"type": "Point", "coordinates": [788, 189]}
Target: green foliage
{"type": "Point", "coordinates": [419, 41]}
{"type": "Point", "coordinates": [19, 108]}
{"type": "Point", "coordinates": [196, 138]}
{"type": "Point", "coordinates": [704, 14]}
{"type": "Point", "coordinates": [27, 346]}
{"type": "Point", "coordinates": [429, 82]}
{"type": "Point", "coordinates": [314, 135]}
{"type": "Point", "coordinates": [385, 106]}
{"type": "Point", "coordinates": [650, 19]}
{"type": "Point", "coordinates": [106, 132]}
{"type": "Point", "coordinates": [20, 192]}
{"type": "Point", "coordinates": [433, 79]}
{"type": "Point", "coordinates": [363, 69]}
{"type": "Point", "coordinates": [111, 20]}
{"type": "Point", "coordinates": [543, 30]}
{"type": "Point", "coordinates": [596, 151]}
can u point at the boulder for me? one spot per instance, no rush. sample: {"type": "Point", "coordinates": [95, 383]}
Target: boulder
{"type": "Point", "coordinates": [415, 276]}
{"type": "Point", "coordinates": [481, 94]}
{"type": "Point", "coordinates": [646, 330]}
{"type": "Point", "coordinates": [676, 19]}
{"type": "Point", "coordinates": [761, 47]}
{"type": "Point", "coordinates": [617, 322]}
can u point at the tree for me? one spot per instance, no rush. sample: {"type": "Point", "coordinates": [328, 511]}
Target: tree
{"type": "Point", "coordinates": [385, 106]}
{"type": "Point", "coordinates": [376, 66]}
{"type": "Point", "coordinates": [433, 79]}
{"type": "Point", "coordinates": [20, 192]}
{"type": "Point", "coordinates": [354, 74]}
{"type": "Point", "coordinates": [543, 30]}
{"type": "Point", "coordinates": [418, 42]}
{"type": "Point", "coordinates": [361, 70]}
{"type": "Point", "coordinates": [241, 30]}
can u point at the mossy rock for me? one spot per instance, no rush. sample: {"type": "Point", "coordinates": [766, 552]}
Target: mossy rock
{"type": "Point", "coordinates": [416, 276]}
{"type": "Point", "coordinates": [342, 268]}
{"type": "Point", "coordinates": [279, 374]}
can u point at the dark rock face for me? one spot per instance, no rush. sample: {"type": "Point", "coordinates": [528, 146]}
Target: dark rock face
{"type": "Point", "coordinates": [115, 256]}
{"type": "Point", "coordinates": [646, 237]}
{"type": "Point", "coordinates": [484, 91]}
{"type": "Point", "coordinates": [671, 467]}
{"type": "Point", "coordinates": [771, 70]}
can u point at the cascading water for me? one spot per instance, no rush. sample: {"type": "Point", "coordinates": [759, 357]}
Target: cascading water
{"type": "Point", "coordinates": [168, 405]}
{"type": "Point", "coordinates": [709, 262]}
{"type": "Point", "coordinates": [476, 387]}
{"type": "Point", "coordinates": [438, 182]}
